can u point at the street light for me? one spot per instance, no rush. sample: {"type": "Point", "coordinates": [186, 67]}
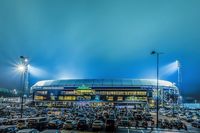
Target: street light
{"type": "Point", "coordinates": [157, 79]}
{"type": "Point", "coordinates": [23, 68]}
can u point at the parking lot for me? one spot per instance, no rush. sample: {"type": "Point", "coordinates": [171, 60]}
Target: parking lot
{"type": "Point", "coordinates": [105, 118]}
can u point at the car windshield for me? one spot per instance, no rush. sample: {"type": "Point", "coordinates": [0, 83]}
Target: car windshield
{"type": "Point", "coordinates": [32, 121]}
{"type": "Point", "coordinates": [21, 121]}
{"type": "Point", "coordinates": [82, 120]}
{"type": "Point", "coordinates": [110, 121]}
{"type": "Point", "coordinates": [54, 121]}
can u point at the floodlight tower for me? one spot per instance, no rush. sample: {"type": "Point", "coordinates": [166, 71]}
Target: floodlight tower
{"type": "Point", "coordinates": [23, 68]}
{"type": "Point", "coordinates": [178, 72]}
{"type": "Point", "coordinates": [179, 80]}
{"type": "Point", "coordinates": [25, 63]}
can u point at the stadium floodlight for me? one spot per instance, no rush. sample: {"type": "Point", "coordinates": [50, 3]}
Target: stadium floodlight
{"type": "Point", "coordinates": [178, 71]}
{"type": "Point", "coordinates": [157, 78]}
{"type": "Point", "coordinates": [25, 60]}
{"type": "Point", "coordinates": [177, 63]}
{"type": "Point", "coordinates": [21, 68]}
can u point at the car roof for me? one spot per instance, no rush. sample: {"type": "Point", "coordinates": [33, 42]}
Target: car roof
{"type": "Point", "coordinates": [98, 121]}
{"type": "Point", "coordinates": [25, 130]}
{"type": "Point", "coordinates": [50, 131]}
{"type": "Point", "coordinates": [6, 126]}
{"type": "Point", "coordinates": [69, 120]}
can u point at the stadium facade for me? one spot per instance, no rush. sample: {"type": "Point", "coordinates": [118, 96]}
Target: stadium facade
{"type": "Point", "coordinates": [133, 92]}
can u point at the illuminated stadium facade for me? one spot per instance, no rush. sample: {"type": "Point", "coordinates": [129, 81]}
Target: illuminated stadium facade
{"type": "Point", "coordinates": [120, 92]}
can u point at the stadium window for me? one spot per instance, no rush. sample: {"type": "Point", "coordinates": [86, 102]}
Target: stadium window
{"type": "Point", "coordinates": [39, 98]}
{"type": "Point", "coordinates": [69, 98]}
{"type": "Point", "coordinates": [119, 98]}
{"type": "Point", "coordinates": [60, 98]}
{"type": "Point", "coordinates": [110, 98]}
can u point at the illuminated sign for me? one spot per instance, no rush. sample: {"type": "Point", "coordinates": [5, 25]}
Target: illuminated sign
{"type": "Point", "coordinates": [84, 90]}
{"type": "Point", "coordinates": [83, 87]}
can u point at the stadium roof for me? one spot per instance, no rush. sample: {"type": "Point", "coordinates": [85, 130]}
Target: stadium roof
{"type": "Point", "coordinates": [102, 83]}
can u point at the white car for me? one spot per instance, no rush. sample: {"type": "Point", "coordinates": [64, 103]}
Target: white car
{"type": "Point", "coordinates": [97, 124]}
{"type": "Point", "coordinates": [181, 116]}
{"type": "Point", "coordinates": [28, 131]}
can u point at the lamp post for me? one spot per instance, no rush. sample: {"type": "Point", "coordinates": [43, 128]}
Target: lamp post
{"type": "Point", "coordinates": [23, 68]}
{"type": "Point", "coordinates": [157, 79]}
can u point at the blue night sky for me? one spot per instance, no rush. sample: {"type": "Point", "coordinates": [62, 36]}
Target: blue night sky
{"type": "Point", "coordinates": [100, 39]}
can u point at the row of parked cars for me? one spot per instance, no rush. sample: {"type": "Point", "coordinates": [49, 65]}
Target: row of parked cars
{"type": "Point", "coordinates": [174, 123]}
{"type": "Point", "coordinates": [190, 116]}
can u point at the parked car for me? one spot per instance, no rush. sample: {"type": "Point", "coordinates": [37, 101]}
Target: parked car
{"type": "Point", "coordinates": [148, 117]}
{"type": "Point", "coordinates": [37, 123]}
{"type": "Point", "coordinates": [189, 119]}
{"type": "Point", "coordinates": [181, 116]}
{"type": "Point", "coordinates": [83, 124]}
{"type": "Point", "coordinates": [138, 117]}
{"type": "Point", "coordinates": [111, 125]}
{"type": "Point", "coordinates": [98, 124]}
{"type": "Point", "coordinates": [8, 129]}
{"type": "Point", "coordinates": [196, 123]}
{"type": "Point", "coordinates": [124, 121]}
{"type": "Point", "coordinates": [22, 123]}
{"type": "Point", "coordinates": [51, 131]}
{"type": "Point", "coordinates": [28, 131]}
{"type": "Point", "coordinates": [70, 124]}
{"type": "Point", "coordinates": [12, 122]}
{"type": "Point", "coordinates": [55, 124]}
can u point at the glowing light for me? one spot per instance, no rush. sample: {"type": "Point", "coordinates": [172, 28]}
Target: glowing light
{"type": "Point", "coordinates": [26, 60]}
{"type": "Point", "coordinates": [169, 69]}
{"type": "Point", "coordinates": [36, 72]}
{"type": "Point", "coordinates": [21, 68]}
{"type": "Point", "coordinates": [177, 64]}
{"type": "Point", "coordinates": [68, 74]}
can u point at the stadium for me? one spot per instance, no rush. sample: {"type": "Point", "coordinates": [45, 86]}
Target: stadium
{"type": "Point", "coordinates": [119, 92]}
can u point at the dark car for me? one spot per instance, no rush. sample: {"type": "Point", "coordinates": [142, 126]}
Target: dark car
{"type": "Point", "coordinates": [111, 125]}
{"type": "Point", "coordinates": [37, 123]}
{"type": "Point", "coordinates": [138, 117]}
{"type": "Point", "coordinates": [189, 119]}
{"type": "Point", "coordinates": [83, 124]}
{"type": "Point", "coordinates": [196, 124]}
{"type": "Point", "coordinates": [148, 117]}
{"type": "Point", "coordinates": [8, 129]}
{"type": "Point", "coordinates": [55, 124]}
